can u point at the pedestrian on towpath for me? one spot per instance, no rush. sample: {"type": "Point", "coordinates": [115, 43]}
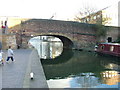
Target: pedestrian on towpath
{"type": "Point", "coordinates": [10, 54]}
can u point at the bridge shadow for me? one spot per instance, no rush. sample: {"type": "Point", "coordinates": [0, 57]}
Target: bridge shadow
{"type": "Point", "coordinates": [65, 56]}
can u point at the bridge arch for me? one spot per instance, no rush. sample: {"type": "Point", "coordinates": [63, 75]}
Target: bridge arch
{"type": "Point", "coordinates": [67, 42]}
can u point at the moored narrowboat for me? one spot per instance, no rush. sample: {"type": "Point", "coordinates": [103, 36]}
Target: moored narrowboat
{"type": "Point", "coordinates": [109, 48]}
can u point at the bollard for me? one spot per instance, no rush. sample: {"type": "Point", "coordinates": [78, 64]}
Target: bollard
{"type": "Point", "coordinates": [31, 75]}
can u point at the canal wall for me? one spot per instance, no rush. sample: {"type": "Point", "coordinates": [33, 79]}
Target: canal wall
{"type": "Point", "coordinates": [35, 66]}
{"type": "Point", "coordinates": [9, 40]}
{"type": "Point", "coordinates": [111, 32]}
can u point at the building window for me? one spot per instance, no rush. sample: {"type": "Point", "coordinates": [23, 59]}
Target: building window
{"type": "Point", "coordinates": [102, 47]}
{"type": "Point", "coordinates": [84, 21]}
{"type": "Point", "coordinates": [95, 17]}
{"type": "Point", "coordinates": [87, 19]}
{"type": "Point", "coordinates": [109, 39]}
{"type": "Point", "coordinates": [98, 16]}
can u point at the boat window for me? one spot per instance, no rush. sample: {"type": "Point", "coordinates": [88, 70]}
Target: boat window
{"type": "Point", "coordinates": [102, 47]}
{"type": "Point", "coordinates": [111, 48]}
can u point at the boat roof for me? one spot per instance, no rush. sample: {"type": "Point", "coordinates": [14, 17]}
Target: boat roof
{"type": "Point", "coordinates": [111, 43]}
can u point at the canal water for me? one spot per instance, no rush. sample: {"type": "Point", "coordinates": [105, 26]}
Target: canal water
{"type": "Point", "coordinates": [82, 69]}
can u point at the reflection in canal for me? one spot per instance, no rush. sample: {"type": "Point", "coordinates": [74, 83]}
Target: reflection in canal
{"type": "Point", "coordinates": [48, 47]}
{"type": "Point", "coordinates": [82, 70]}
{"type": "Point", "coordinates": [75, 69]}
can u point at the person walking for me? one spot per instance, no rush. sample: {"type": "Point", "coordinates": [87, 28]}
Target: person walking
{"type": "Point", "coordinates": [10, 54]}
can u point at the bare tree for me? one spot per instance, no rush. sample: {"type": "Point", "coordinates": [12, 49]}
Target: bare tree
{"type": "Point", "coordinates": [91, 15]}
{"type": "Point", "coordinates": [84, 12]}
{"type": "Point", "coordinates": [105, 20]}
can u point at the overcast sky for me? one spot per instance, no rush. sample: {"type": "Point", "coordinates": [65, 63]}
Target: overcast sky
{"type": "Point", "coordinates": [61, 9]}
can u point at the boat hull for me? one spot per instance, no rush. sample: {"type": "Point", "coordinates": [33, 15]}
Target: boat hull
{"type": "Point", "coordinates": [109, 49]}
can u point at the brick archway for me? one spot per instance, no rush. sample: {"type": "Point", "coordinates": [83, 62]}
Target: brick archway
{"type": "Point", "coordinates": [67, 43]}
{"type": "Point", "coordinates": [73, 34]}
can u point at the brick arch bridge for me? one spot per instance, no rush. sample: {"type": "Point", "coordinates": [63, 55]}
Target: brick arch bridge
{"type": "Point", "coordinates": [73, 34]}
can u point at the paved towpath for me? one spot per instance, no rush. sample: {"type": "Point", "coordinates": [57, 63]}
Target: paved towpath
{"type": "Point", "coordinates": [16, 74]}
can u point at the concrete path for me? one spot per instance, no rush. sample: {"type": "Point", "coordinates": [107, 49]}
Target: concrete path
{"type": "Point", "coordinates": [16, 74]}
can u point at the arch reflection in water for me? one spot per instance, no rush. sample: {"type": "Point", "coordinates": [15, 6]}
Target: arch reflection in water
{"type": "Point", "coordinates": [48, 47]}
{"type": "Point", "coordinates": [82, 70]}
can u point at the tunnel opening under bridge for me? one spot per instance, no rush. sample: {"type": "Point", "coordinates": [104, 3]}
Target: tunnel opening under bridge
{"type": "Point", "coordinates": [67, 43]}
{"type": "Point", "coordinates": [50, 46]}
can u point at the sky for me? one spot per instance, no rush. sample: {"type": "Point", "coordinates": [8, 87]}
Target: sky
{"type": "Point", "coordinates": [45, 9]}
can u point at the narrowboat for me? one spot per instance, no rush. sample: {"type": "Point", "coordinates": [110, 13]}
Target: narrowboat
{"type": "Point", "coordinates": [109, 48]}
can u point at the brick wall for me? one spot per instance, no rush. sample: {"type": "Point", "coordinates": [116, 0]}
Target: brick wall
{"type": "Point", "coordinates": [82, 35]}
{"type": "Point", "coordinates": [9, 40]}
